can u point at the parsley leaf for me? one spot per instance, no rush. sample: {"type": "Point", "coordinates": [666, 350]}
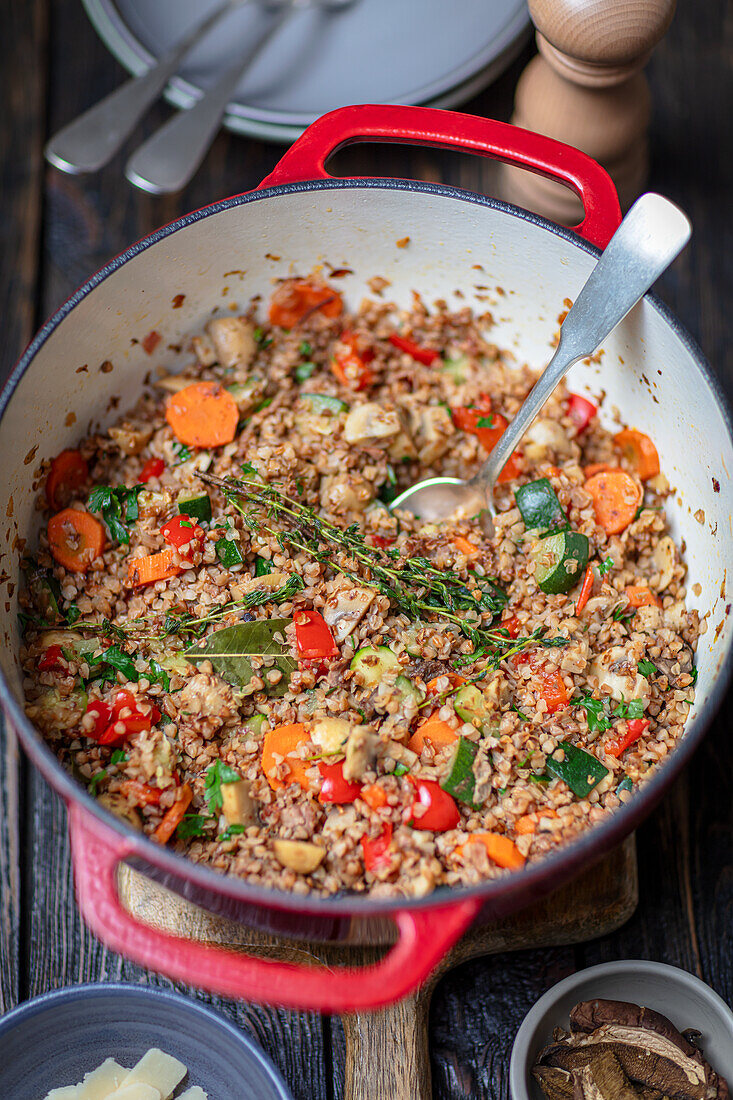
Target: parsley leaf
{"type": "Point", "coordinates": [119, 756]}
{"type": "Point", "coordinates": [95, 781]}
{"type": "Point", "coordinates": [230, 831]}
{"type": "Point", "coordinates": [693, 674]}
{"type": "Point", "coordinates": [192, 825]}
{"type": "Point", "coordinates": [218, 773]}
{"type": "Point", "coordinates": [305, 349]}
{"type": "Point", "coordinates": [646, 668]}
{"type": "Point", "coordinates": [304, 371]}
{"type": "Point", "coordinates": [182, 453]}
{"type": "Point", "coordinates": [118, 506]}
{"type": "Point", "coordinates": [633, 709]}
{"type": "Point", "coordinates": [158, 675]}
{"type": "Point", "coordinates": [400, 769]}
{"type": "Point", "coordinates": [594, 712]}
{"type": "Point", "coordinates": [72, 613]}
{"type": "Point", "coordinates": [606, 566]}
{"type": "Point", "coordinates": [485, 422]}
{"type": "Point", "coordinates": [626, 784]}
{"type": "Point", "coordinates": [249, 469]}
{"type": "Point", "coordinates": [260, 337]}
{"type": "Point", "coordinates": [116, 659]}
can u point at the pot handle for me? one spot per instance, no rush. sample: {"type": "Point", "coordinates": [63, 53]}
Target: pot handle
{"type": "Point", "coordinates": [425, 935]}
{"type": "Point", "coordinates": [306, 159]}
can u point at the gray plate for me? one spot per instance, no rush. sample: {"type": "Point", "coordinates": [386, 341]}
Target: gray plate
{"type": "Point", "coordinates": [375, 51]}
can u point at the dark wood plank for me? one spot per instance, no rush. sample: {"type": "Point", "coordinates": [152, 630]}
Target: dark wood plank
{"type": "Point", "coordinates": [22, 93]}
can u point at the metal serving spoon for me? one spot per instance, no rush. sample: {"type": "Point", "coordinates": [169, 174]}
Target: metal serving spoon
{"type": "Point", "coordinates": [92, 139]}
{"type": "Point", "coordinates": [170, 157]}
{"type": "Point", "coordinates": [653, 232]}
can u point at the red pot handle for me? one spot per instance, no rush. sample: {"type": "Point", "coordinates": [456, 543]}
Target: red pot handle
{"type": "Point", "coordinates": [425, 937]}
{"type": "Point", "coordinates": [306, 159]}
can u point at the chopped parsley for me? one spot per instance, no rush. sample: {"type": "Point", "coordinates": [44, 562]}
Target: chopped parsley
{"type": "Point", "coordinates": [192, 825]}
{"type": "Point", "coordinates": [693, 675]}
{"type": "Point", "coordinates": [521, 713]}
{"type": "Point", "coordinates": [261, 339]}
{"type": "Point", "coordinates": [304, 371]}
{"type": "Point", "coordinates": [400, 769]}
{"type": "Point", "coordinates": [622, 615]}
{"type": "Point", "coordinates": [95, 781]}
{"type": "Point", "coordinates": [647, 668]}
{"type": "Point", "coordinates": [119, 756]}
{"type": "Point", "coordinates": [305, 349]}
{"type": "Point", "coordinates": [625, 785]}
{"type": "Point", "coordinates": [485, 422]}
{"type": "Point", "coordinates": [594, 712]}
{"type": "Point", "coordinates": [158, 675]}
{"type": "Point", "coordinates": [218, 773]}
{"type": "Point", "coordinates": [182, 453]}
{"type": "Point", "coordinates": [248, 468]}
{"type": "Point", "coordinates": [230, 831]}
{"type": "Point", "coordinates": [117, 659]}
{"type": "Point", "coordinates": [605, 567]}
{"type": "Point", "coordinates": [118, 507]}
{"type": "Point", "coordinates": [72, 613]}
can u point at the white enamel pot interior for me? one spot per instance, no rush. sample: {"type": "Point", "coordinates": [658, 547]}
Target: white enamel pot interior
{"type": "Point", "coordinates": [650, 375]}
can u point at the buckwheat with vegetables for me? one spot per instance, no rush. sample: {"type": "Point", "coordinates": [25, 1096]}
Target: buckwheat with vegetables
{"type": "Point", "coordinates": [232, 641]}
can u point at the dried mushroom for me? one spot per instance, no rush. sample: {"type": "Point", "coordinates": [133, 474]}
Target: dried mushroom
{"type": "Point", "coordinates": [298, 855]}
{"type": "Point", "coordinates": [617, 1049]}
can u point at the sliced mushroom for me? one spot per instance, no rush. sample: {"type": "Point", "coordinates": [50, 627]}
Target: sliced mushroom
{"type": "Point", "coordinates": [432, 428]}
{"type": "Point", "coordinates": [615, 674]}
{"type": "Point", "coordinates": [546, 435]}
{"type": "Point", "coordinates": [665, 559]}
{"type": "Point", "coordinates": [153, 502]}
{"type": "Point", "coordinates": [345, 607]}
{"type": "Point", "coordinates": [345, 493]}
{"type": "Point", "coordinates": [237, 803]}
{"type": "Point", "coordinates": [360, 752]}
{"type": "Point", "coordinates": [118, 805]}
{"type": "Point", "coordinates": [557, 1084]}
{"type": "Point", "coordinates": [603, 1079]}
{"type": "Point", "coordinates": [233, 339]}
{"type": "Point", "coordinates": [203, 351]}
{"type": "Point", "coordinates": [331, 734]}
{"type": "Point", "coordinates": [130, 438]}
{"type": "Point", "coordinates": [270, 582]}
{"type": "Point", "coordinates": [174, 383]}
{"type": "Point", "coordinates": [371, 423]}
{"type": "Point", "coordinates": [298, 855]}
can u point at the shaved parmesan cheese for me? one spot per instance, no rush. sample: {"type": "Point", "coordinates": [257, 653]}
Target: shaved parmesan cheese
{"type": "Point", "coordinates": [135, 1092]}
{"type": "Point", "coordinates": [158, 1069]}
{"type": "Point", "coordinates": [195, 1093]}
{"type": "Point", "coordinates": [102, 1081]}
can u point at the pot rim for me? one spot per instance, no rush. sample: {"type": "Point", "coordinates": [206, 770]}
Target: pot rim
{"type": "Point", "coordinates": [547, 873]}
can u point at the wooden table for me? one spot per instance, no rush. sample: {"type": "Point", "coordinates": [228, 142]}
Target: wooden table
{"type": "Point", "coordinates": [55, 230]}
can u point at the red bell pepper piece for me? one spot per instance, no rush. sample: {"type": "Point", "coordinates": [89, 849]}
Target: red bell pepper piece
{"type": "Point", "coordinates": [154, 467]}
{"type": "Point", "coordinates": [51, 659]}
{"type": "Point", "coordinates": [142, 793]}
{"type": "Point", "coordinates": [634, 729]}
{"type": "Point", "coordinates": [585, 589]}
{"type": "Point", "coordinates": [334, 787]}
{"type": "Point", "coordinates": [312, 635]}
{"type": "Point", "coordinates": [376, 849]}
{"type": "Point", "coordinates": [552, 685]}
{"type": "Point", "coordinates": [125, 712]}
{"type": "Point", "coordinates": [441, 811]}
{"type": "Point", "coordinates": [351, 360]}
{"type": "Point", "coordinates": [581, 411]}
{"type": "Point", "coordinates": [426, 356]}
{"type": "Point", "coordinates": [182, 531]}
{"type": "Point", "coordinates": [488, 428]}
{"type": "Point", "coordinates": [102, 714]}
{"type": "Point", "coordinates": [382, 541]}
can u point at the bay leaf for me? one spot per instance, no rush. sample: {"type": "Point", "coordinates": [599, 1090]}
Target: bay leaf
{"type": "Point", "coordinates": [231, 650]}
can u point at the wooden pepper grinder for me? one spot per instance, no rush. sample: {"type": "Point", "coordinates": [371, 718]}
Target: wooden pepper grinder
{"type": "Point", "coordinates": [586, 88]}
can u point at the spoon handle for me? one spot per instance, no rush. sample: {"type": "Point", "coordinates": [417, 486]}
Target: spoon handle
{"type": "Point", "coordinates": [653, 232]}
{"type": "Point", "coordinates": [167, 160]}
{"type": "Point", "coordinates": [92, 139]}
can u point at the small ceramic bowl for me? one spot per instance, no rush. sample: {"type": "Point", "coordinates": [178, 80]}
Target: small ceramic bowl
{"type": "Point", "coordinates": [686, 1000]}
{"type": "Point", "coordinates": [55, 1039]}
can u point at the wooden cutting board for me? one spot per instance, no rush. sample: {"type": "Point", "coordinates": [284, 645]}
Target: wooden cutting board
{"type": "Point", "coordinates": [387, 1051]}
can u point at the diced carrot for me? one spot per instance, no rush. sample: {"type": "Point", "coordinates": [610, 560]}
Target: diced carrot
{"type": "Point", "coordinates": [351, 359]}
{"type": "Point", "coordinates": [512, 626]}
{"type": "Point", "coordinates": [465, 547]}
{"type": "Point", "coordinates": [173, 817]}
{"type": "Point", "coordinates": [141, 793]}
{"type": "Point", "coordinates": [203, 414]}
{"type": "Point", "coordinates": [156, 567]}
{"type": "Point", "coordinates": [374, 796]}
{"type": "Point", "coordinates": [68, 472]}
{"type": "Point", "coordinates": [500, 849]}
{"type": "Point", "coordinates": [296, 299]}
{"type": "Point", "coordinates": [639, 595]}
{"type": "Point", "coordinates": [434, 730]}
{"type": "Point", "coordinates": [638, 450]}
{"type": "Point", "coordinates": [552, 686]}
{"type": "Point", "coordinates": [528, 824]}
{"type": "Point", "coordinates": [585, 589]}
{"type": "Point", "coordinates": [551, 471]}
{"type": "Point", "coordinates": [75, 539]}
{"type": "Point", "coordinates": [616, 498]}
{"type": "Point", "coordinates": [454, 680]}
{"type": "Point", "coordinates": [599, 468]}
{"type": "Point", "coordinates": [279, 742]}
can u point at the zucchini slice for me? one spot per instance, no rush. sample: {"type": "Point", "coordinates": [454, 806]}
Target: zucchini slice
{"type": "Point", "coordinates": [460, 781]}
{"type": "Point", "coordinates": [470, 704]}
{"type": "Point", "coordinates": [228, 553]}
{"type": "Point", "coordinates": [196, 505]}
{"type": "Point", "coordinates": [560, 561]}
{"type": "Point", "coordinates": [323, 402]}
{"type": "Point", "coordinates": [539, 506]}
{"type": "Point", "coordinates": [457, 368]}
{"type": "Point", "coordinates": [408, 690]}
{"type": "Point", "coordinates": [372, 663]}
{"type": "Point", "coordinates": [578, 768]}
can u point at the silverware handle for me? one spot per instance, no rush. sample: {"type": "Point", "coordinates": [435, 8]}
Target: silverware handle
{"type": "Point", "coordinates": [653, 232]}
{"type": "Point", "coordinates": [92, 139]}
{"type": "Point", "coordinates": [170, 157]}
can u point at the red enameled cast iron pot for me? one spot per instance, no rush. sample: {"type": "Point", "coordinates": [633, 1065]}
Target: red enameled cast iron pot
{"type": "Point", "coordinates": [299, 217]}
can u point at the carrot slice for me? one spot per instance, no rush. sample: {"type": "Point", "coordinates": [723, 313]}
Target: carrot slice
{"type": "Point", "coordinates": [280, 741]}
{"type": "Point", "coordinates": [616, 498]}
{"type": "Point", "coordinates": [639, 595]}
{"type": "Point", "coordinates": [465, 547]}
{"type": "Point", "coordinates": [173, 817]}
{"type": "Point", "coordinates": [296, 299]}
{"type": "Point", "coordinates": [374, 796]}
{"type": "Point", "coordinates": [141, 793]}
{"type": "Point", "coordinates": [434, 730]}
{"type": "Point", "coordinates": [599, 468]}
{"type": "Point", "coordinates": [75, 539]}
{"type": "Point", "coordinates": [500, 849]}
{"type": "Point", "coordinates": [68, 472]}
{"type": "Point", "coordinates": [585, 590]}
{"type": "Point", "coordinates": [528, 824]}
{"type": "Point", "coordinates": [203, 414]}
{"type": "Point", "coordinates": [156, 567]}
{"type": "Point", "coordinates": [639, 451]}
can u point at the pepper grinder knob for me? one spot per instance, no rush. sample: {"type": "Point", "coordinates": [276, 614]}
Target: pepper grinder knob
{"type": "Point", "coordinates": [586, 88]}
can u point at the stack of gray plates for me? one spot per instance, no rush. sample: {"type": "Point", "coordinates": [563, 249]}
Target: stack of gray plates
{"type": "Point", "coordinates": [433, 52]}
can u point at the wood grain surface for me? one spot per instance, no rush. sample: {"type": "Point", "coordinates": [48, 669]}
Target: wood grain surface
{"type": "Point", "coordinates": [55, 230]}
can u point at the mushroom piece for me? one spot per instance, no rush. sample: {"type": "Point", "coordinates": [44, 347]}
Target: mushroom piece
{"type": "Point", "coordinates": [233, 339]}
{"type": "Point", "coordinates": [432, 428]}
{"type": "Point", "coordinates": [153, 502]}
{"type": "Point", "coordinates": [331, 735]}
{"type": "Point", "coordinates": [371, 423]}
{"type": "Point", "coordinates": [130, 438]}
{"type": "Point", "coordinates": [546, 435]}
{"type": "Point", "coordinates": [360, 752]}
{"type": "Point", "coordinates": [174, 383]}
{"type": "Point", "coordinates": [298, 855]}
{"type": "Point", "coordinates": [557, 1084]}
{"type": "Point", "coordinates": [118, 805]}
{"type": "Point", "coordinates": [345, 607]}
{"type": "Point", "coordinates": [345, 493]}
{"type": "Point", "coordinates": [237, 803]}
{"type": "Point", "coordinates": [269, 582]}
{"type": "Point", "coordinates": [617, 675]}
{"type": "Point", "coordinates": [203, 352]}
{"type": "Point", "coordinates": [603, 1079]}
{"type": "Point", "coordinates": [664, 558]}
